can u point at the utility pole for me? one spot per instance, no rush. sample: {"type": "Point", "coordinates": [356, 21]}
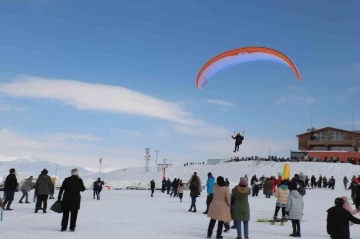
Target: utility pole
{"type": "Point", "coordinates": [147, 159]}
{"type": "Point", "coordinates": [157, 152]}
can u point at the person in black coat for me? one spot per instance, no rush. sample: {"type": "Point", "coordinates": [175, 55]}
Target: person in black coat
{"type": "Point", "coordinates": [168, 186]}
{"type": "Point", "coordinates": [152, 186]}
{"type": "Point", "coordinates": [9, 189]}
{"type": "Point", "coordinates": [71, 199]}
{"type": "Point", "coordinates": [97, 187]}
{"type": "Point", "coordinates": [238, 141]}
{"type": "Point", "coordinates": [338, 221]}
{"type": "Point", "coordinates": [353, 188]}
{"type": "Point", "coordinates": [163, 186]}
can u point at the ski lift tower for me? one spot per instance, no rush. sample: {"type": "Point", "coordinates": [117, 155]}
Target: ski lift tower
{"type": "Point", "coordinates": [147, 159]}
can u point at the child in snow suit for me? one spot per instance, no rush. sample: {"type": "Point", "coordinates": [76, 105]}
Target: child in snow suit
{"type": "Point", "coordinates": [282, 194]}
{"type": "Point", "coordinates": [338, 221]}
{"type": "Point", "coordinates": [180, 191]}
{"type": "Point", "coordinates": [294, 209]}
{"type": "Point", "coordinates": [349, 209]}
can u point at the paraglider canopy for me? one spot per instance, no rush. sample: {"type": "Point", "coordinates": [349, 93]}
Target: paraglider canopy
{"type": "Point", "coordinates": [242, 55]}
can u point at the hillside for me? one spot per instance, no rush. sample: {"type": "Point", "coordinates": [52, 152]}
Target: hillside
{"type": "Point", "coordinates": [26, 167]}
{"type": "Point", "coordinates": [232, 171]}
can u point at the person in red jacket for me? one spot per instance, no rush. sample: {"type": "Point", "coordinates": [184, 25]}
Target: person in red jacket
{"type": "Point", "coordinates": [273, 184]}
{"type": "Point", "coordinates": [279, 181]}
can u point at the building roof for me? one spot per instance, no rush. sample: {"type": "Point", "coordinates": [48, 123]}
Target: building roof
{"type": "Point", "coordinates": [322, 129]}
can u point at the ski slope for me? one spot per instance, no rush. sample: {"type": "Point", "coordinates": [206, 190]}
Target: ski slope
{"type": "Point", "coordinates": [134, 214]}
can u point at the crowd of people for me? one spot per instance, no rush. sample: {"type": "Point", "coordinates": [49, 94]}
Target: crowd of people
{"type": "Point", "coordinates": [225, 205]}
{"type": "Point", "coordinates": [44, 187]}
{"type": "Point", "coordinates": [288, 159]}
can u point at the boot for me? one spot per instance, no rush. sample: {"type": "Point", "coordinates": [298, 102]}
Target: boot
{"type": "Point", "coordinates": [206, 212]}
{"type": "Point", "coordinates": [274, 220]}
{"type": "Point", "coordinates": [20, 202]}
{"type": "Point", "coordinates": [227, 227]}
{"type": "Point", "coordinates": [298, 234]}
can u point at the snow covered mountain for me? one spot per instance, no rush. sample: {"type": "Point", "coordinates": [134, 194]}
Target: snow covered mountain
{"type": "Point", "coordinates": [26, 167]}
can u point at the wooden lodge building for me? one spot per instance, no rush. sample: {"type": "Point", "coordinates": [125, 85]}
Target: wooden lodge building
{"type": "Point", "coordinates": [330, 142]}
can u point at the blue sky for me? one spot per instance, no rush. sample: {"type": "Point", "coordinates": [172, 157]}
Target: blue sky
{"type": "Point", "coordinates": [80, 79]}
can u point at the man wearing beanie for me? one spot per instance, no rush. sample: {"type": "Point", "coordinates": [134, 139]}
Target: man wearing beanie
{"type": "Point", "coordinates": [210, 191]}
{"type": "Point", "coordinates": [9, 189]}
{"type": "Point", "coordinates": [338, 221]}
{"type": "Point", "coordinates": [43, 188]}
{"type": "Point", "coordinates": [71, 199]}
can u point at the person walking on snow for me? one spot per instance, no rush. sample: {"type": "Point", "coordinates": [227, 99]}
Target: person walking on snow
{"type": "Point", "coordinates": [220, 208]}
{"type": "Point", "coordinates": [42, 189]}
{"type": "Point", "coordinates": [282, 193]}
{"type": "Point", "coordinates": [345, 181]}
{"type": "Point", "coordinates": [210, 191]}
{"type": "Point", "coordinates": [241, 208]}
{"type": "Point", "coordinates": [180, 190]}
{"type": "Point", "coordinates": [294, 209]}
{"type": "Point", "coordinates": [10, 186]}
{"type": "Point", "coordinates": [168, 186]}
{"type": "Point", "coordinates": [194, 186]}
{"type": "Point", "coordinates": [70, 194]}
{"type": "Point", "coordinates": [98, 188]}
{"type": "Point", "coordinates": [152, 187]}
{"type": "Point", "coordinates": [25, 188]}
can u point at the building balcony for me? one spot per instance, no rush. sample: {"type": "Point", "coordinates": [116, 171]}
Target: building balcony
{"type": "Point", "coordinates": [326, 143]}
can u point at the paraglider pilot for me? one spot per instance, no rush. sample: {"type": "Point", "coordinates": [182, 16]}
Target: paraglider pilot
{"type": "Point", "coordinates": [238, 141]}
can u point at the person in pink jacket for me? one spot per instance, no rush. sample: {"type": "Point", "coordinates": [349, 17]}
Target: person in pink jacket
{"type": "Point", "coordinates": [349, 209]}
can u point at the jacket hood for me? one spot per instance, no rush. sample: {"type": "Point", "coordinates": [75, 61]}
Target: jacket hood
{"type": "Point", "coordinates": [242, 189]}
{"type": "Point", "coordinates": [284, 187]}
{"type": "Point", "coordinates": [42, 176]}
{"type": "Point", "coordinates": [295, 194]}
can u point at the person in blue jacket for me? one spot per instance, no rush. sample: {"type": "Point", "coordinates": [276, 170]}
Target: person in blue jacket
{"type": "Point", "coordinates": [210, 191]}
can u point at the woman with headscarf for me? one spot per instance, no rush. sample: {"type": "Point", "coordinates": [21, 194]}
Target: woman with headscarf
{"type": "Point", "coordinates": [220, 207]}
{"type": "Point", "coordinates": [241, 209]}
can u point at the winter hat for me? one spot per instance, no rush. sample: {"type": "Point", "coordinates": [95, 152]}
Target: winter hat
{"type": "Point", "coordinates": [44, 171]}
{"type": "Point", "coordinates": [209, 175]}
{"type": "Point", "coordinates": [75, 172]}
{"type": "Point", "coordinates": [243, 181]}
{"type": "Point", "coordinates": [12, 170]}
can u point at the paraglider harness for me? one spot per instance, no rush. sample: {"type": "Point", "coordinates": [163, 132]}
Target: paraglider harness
{"type": "Point", "coordinates": [238, 141]}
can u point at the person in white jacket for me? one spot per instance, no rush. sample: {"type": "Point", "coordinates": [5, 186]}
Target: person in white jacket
{"type": "Point", "coordinates": [294, 209]}
{"type": "Point", "coordinates": [25, 188]}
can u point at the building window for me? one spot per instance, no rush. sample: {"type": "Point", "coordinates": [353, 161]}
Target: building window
{"type": "Point", "coordinates": [337, 136]}
{"type": "Point", "coordinates": [321, 136]}
{"type": "Point", "coordinates": [350, 149]}
{"type": "Point", "coordinates": [319, 148]}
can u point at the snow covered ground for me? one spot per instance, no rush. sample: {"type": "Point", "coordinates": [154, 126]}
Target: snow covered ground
{"type": "Point", "coordinates": [133, 215]}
